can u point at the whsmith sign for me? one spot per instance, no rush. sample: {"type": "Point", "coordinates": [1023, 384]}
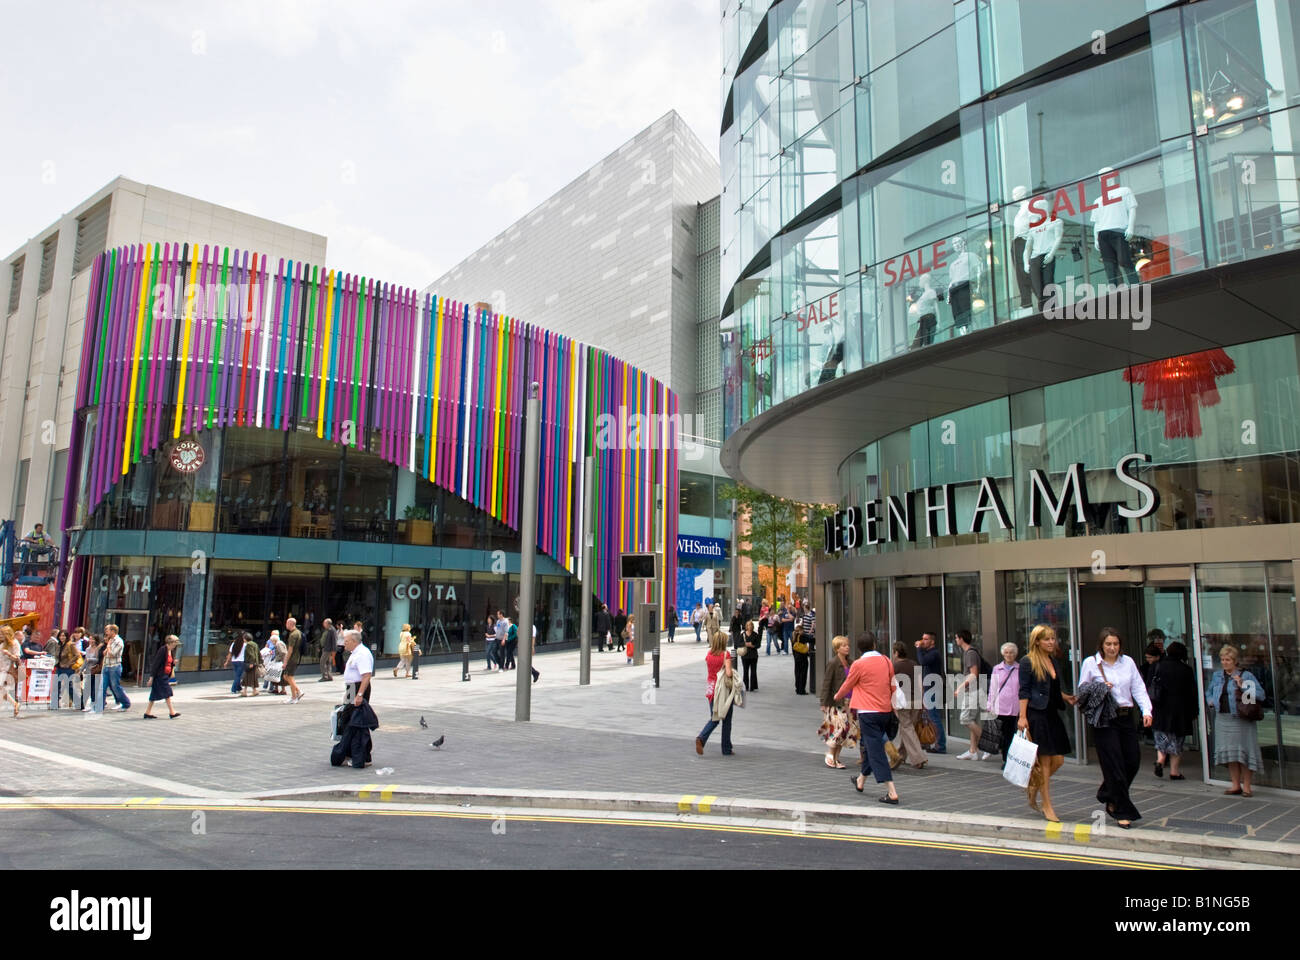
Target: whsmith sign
{"type": "Point", "coordinates": [894, 519]}
{"type": "Point", "coordinates": [701, 548]}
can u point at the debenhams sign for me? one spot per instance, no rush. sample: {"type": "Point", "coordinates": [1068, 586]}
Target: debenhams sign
{"type": "Point", "coordinates": [895, 519]}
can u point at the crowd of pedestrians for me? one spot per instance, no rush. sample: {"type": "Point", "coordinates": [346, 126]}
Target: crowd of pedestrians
{"type": "Point", "coordinates": [892, 710]}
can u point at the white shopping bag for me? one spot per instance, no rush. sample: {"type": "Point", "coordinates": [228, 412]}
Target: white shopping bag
{"type": "Point", "coordinates": [1020, 760]}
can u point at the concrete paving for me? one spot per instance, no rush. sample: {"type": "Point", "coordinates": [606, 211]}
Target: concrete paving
{"type": "Point", "coordinates": [620, 737]}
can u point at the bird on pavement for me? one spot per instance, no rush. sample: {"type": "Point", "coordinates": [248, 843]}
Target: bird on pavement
{"type": "Point", "coordinates": [439, 742]}
{"type": "Point", "coordinates": [423, 725]}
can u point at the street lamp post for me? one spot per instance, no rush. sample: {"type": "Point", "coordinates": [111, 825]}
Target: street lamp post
{"type": "Point", "coordinates": [528, 557]}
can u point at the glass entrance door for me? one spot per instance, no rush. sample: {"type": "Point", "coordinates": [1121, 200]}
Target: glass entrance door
{"type": "Point", "coordinates": [133, 626]}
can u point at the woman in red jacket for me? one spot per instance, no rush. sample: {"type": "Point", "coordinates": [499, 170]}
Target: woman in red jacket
{"type": "Point", "coordinates": [871, 684]}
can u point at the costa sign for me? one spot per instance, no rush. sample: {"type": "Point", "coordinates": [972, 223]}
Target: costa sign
{"type": "Point", "coordinates": [187, 456]}
{"type": "Point", "coordinates": [896, 518]}
{"type": "Point", "coordinates": [414, 591]}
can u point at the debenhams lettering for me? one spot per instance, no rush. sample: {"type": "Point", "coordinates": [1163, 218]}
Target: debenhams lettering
{"type": "Point", "coordinates": [895, 518]}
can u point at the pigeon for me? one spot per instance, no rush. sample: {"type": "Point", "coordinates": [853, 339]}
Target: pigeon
{"type": "Point", "coordinates": [439, 742]}
{"type": "Point", "coordinates": [423, 725]}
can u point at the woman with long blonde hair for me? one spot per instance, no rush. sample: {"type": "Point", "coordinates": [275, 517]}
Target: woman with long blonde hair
{"type": "Point", "coordinates": [404, 644]}
{"type": "Point", "coordinates": [11, 654]}
{"type": "Point", "coordinates": [1041, 703]}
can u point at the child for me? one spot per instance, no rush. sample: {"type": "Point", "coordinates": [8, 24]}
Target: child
{"type": "Point", "coordinates": [629, 634]}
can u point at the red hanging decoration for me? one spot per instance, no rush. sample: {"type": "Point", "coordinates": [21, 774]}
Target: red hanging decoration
{"type": "Point", "coordinates": [1179, 386]}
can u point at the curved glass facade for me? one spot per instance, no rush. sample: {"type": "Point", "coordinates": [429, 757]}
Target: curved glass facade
{"type": "Point", "coordinates": [1220, 429]}
{"type": "Point", "coordinates": [897, 175]}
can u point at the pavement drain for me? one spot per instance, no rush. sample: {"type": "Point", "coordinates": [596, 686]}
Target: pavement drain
{"type": "Point", "coordinates": [1207, 826]}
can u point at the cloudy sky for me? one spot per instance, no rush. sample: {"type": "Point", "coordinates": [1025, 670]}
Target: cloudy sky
{"type": "Point", "coordinates": [407, 131]}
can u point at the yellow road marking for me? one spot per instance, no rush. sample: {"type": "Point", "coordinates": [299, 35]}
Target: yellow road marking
{"type": "Point", "coordinates": [686, 802]}
{"type": "Point", "coordinates": [365, 791]}
{"type": "Point", "coordinates": [387, 792]}
{"type": "Point", "coordinates": [1053, 830]}
{"type": "Point", "coordinates": [1083, 832]}
{"type": "Point", "coordinates": [706, 804]}
{"type": "Point", "coordinates": [607, 822]}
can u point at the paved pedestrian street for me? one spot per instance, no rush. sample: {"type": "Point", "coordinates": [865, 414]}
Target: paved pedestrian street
{"type": "Point", "coordinates": [610, 745]}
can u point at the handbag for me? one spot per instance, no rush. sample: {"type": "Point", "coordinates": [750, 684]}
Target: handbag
{"type": "Point", "coordinates": [1021, 757]}
{"type": "Point", "coordinates": [926, 731]}
{"type": "Point", "coordinates": [1251, 712]}
{"type": "Point", "coordinates": [274, 672]}
{"type": "Point", "coordinates": [800, 646]}
{"type": "Point", "coordinates": [991, 736]}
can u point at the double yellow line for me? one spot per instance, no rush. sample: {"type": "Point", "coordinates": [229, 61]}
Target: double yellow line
{"type": "Point", "coordinates": [159, 803]}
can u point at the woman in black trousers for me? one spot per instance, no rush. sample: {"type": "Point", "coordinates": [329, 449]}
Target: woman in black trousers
{"type": "Point", "coordinates": [1118, 751]}
{"type": "Point", "coordinates": [749, 655]}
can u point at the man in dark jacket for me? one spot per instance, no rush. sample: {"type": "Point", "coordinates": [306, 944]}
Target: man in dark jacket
{"type": "Point", "coordinates": [602, 627]}
{"type": "Point", "coordinates": [620, 621]}
{"type": "Point", "coordinates": [329, 640]}
{"type": "Point", "coordinates": [930, 657]}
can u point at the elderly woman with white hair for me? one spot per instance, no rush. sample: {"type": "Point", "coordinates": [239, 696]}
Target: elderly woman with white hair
{"type": "Point", "coordinates": [1004, 696]}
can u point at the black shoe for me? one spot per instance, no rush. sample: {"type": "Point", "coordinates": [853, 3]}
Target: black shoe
{"type": "Point", "coordinates": [1160, 769]}
{"type": "Point", "coordinates": [892, 801]}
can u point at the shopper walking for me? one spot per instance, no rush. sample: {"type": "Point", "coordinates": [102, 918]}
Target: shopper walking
{"type": "Point", "coordinates": [839, 727]}
{"type": "Point", "coordinates": [356, 747]}
{"type": "Point", "coordinates": [1236, 738]}
{"type": "Point", "coordinates": [870, 687]}
{"type": "Point", "coordinates": [512, 644]}
{"type": "Point", "coordinates": [604, 624]}
{"type": "Point", "coordinates": [11, 654]}
{"type": "Point", "coordinates": [235, 660]}
{"type": "Point", "coordinates": [162, 667]}
{"type": "Point", "coordinates": [803, 644]}
{"type": "Point", "coordinates": [620, 622]}
{"type": "Point", "coordinates": [905, 669]}
{"type": "Point", "coordinates": [252, 666]}
{"type": "Point", "coordinates": [764, 609]}
{"type": "Point", "coordinates": [293, 655]}
{"type": "Point", "coordinates": [1118, 752]}
{"type": "Point", "coordinates": [628, 637]}
{"type": "Point", "coordinates": [1174, 708]}
{"type": "Point", "coordinates": [718, 661]}
{"type": "Point", "coordinates": [1041, 703]}
{"type": "Point", "coordinates": [92, 684]}
{"type": "Point", "coordinates": [404, 644]}
{"type": "Point", "coordinates": [789, 624]}
{"type": "Point", "coordinates": [112, 672]}
{"type": "Point", "coordinates": [697, 620]}
{"type": "Point", "coordinates": [930, 657]}
{"type": "Point", "coordinates": [712, 618]}
{"type": "Point", "coordinates": [329, 641]}
{"type": "Point", "coordinates": [1004, 697]}
{"type": "Point", "coordinates": [671, 617]}
{"type": "Point", "coordinates": [966, 694]}
{"type": "Point", "coordinates": [69, 666]}
{"type": "Point", "coordinates": [749, 655]}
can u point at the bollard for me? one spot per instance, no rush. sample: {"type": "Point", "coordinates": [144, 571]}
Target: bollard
{"type": "Point", "coordinates": [656, 666]}
{"type": "Point", "coordinates": [464, 662]}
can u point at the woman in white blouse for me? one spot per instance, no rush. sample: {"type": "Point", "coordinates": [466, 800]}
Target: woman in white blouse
{"type": "Point", "coordinates": [1118, 751]}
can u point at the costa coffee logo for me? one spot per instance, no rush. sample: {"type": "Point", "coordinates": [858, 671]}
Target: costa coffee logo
{"type": "Point", "coordinates": [187, 456]}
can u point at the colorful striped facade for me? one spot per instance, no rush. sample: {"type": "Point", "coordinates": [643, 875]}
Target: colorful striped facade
{"type": "Point", "coordinates": [180, 338]}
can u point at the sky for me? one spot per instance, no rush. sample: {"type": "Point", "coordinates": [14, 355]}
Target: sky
{"type": "Point", "coordinates": [408, 133]}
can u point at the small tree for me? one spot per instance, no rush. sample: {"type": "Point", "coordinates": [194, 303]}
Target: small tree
{"type": "Point", "coordinates": [778, 529]}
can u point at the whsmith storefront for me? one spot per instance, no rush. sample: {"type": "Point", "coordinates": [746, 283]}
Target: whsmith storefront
{"type": "Point", "coordinates": [1006, 452]}
{"type": "Point", "coordinates": [308, 444]}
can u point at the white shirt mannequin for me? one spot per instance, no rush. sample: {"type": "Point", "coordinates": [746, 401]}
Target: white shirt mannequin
{"type": "Point", "coordinates": [1118, 215]}
{"type": "Point", "coordinates": [965, 266]}
{"type": "Point", "coordinates": [1043, 240]}
{"type": "Point", "coordinates": [925, 303]}
{"type": "Point", "coordinates": [1020, 226]}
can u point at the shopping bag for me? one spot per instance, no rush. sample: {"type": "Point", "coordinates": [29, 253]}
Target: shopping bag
{"type": "Point", "coordinates": [274, 672]}
{"type": "Point", "coordinates": [991, 736]}
{"type": "Point", "coordinates": [339, 717]}
{"type": "Point", "coordinates": [1021, 757]}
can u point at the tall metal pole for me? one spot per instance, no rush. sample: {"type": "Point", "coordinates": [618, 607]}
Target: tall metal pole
{"type": "Point", "coordinates": [587, 544]}
{"type": "Point", "coordinates": [528, 558]}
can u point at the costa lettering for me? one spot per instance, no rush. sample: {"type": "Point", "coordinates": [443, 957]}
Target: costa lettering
{"type": "Point", "coordinates": [895, 518]}
{"type": "Point", "coordinates": [414, 591]}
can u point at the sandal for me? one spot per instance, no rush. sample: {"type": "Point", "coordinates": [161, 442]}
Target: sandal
{"type": "Point", "coordinates": [1246, 793]}
{"type": "Point", "coordinates": [856, 786]}
{"type": "Point", "coordinates": [1232, 793]}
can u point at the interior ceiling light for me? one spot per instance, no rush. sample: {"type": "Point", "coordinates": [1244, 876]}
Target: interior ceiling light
{"type": "Point", "coordinates": [1236, 102]}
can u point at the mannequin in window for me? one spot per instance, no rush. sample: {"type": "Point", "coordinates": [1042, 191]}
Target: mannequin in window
{"type": "Point", "coordinates": [1019, 231]}
{"type": "Point", "coordinates": [922, 311]}
{"type": "Point", "coordinates": [964, 273]}
{"type": "Point", "coordinates": [1041, 244]}
{"type": "Point", "coordinates": [1112, 225]}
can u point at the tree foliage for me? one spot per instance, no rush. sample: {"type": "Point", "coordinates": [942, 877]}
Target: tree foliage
{"type": "Point", "coordinates": [780, 530]}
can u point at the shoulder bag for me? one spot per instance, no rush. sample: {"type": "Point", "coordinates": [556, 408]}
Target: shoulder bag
{"type": "Point", "coordinates": [926, 731]}
{"type": "Point", "coordinates": [1251, 712]}
{"type": "Point", "coordinates": [991, 729]}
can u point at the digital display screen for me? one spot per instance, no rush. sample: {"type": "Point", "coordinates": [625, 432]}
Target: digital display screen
{"type": "Point", "coordinates": [639, 566]}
